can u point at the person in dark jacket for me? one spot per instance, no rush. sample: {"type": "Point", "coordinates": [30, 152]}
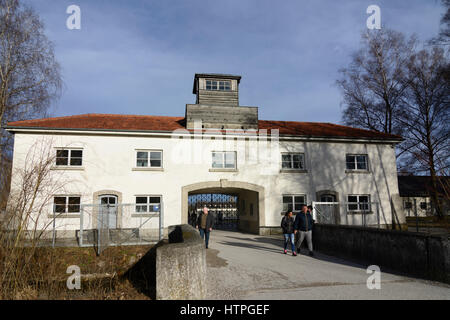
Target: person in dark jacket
{"type": "Point", "coordinates": [287, 224]}
{"type": "Point", "coordinates": [193, 218]}
{"type": "Point", "coordinates": [303, 224]}
{"type": "Point", "coordinates": [205, 223]}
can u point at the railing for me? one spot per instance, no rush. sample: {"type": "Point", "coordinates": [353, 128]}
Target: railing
{"type": "Point", "coordinates": [103, 225]}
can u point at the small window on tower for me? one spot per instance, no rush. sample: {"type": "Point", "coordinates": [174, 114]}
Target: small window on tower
{"type": "Point", "coordinates": [215, 85]}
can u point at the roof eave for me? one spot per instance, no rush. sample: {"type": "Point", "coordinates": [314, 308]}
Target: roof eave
{"type": "Point", "coordinates": [284, 136]}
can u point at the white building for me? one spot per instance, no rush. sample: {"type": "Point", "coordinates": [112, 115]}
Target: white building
{"type": "Point", "coordinates": [415, 193]}
{"type": "Point", "coordinates": [218, 147]}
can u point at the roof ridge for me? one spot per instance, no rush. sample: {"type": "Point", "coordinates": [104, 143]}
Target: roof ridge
{"type": "Point", "coordinates": [346, 126]}
{"type": "Point", "coordinates": [127, 115]}
{"type": "Point", "coordinates": [292, 121]}
{"type": "Point", "coordinates": [334, 125]}
{"type": "Point", "coordinates": [93, 114]}
{"type": "Point", "coordinates": [49, 118]}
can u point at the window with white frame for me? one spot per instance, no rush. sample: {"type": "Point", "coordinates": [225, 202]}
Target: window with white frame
{"type": "Point", "coordinates": [215, 85]}
{"type": "Point", "coordinates": [224, 160]}
{"type": "Point", "coordinates": [358, 203]}
{"type": "Point", "coordinates": [148, 204]}
{"type": "Point", "coordinates": [66, 204]}
{"type": "Point", "coordinates": [293, 202]}
{"type": "Point", "coordinates": [293, 161]}
{"type": "Point", "coordinates": [357, 162]}
{"type": "Point", "coordinates": [149, 158]}
{"type": "Point", "coordinates": [69, 157]}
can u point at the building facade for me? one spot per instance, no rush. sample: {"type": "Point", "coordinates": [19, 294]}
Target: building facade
{"type": "Point", "coordinates": [155, 162]}
{"type": "Point", "coordinates": [415, 193]}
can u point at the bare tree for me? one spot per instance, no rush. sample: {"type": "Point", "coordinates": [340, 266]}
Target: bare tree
{"type": "Point", "coordinates": [29, 74]}
{"type": "Point", "coordinates": [426, 117]}
{"type": "Point", "coordinates": [26, 221]}
{"type": "Point", "coordinates": [443, 38]}
{"type": "Point", "coordinates": [372, 85]}
{"type": "Point", "coordinates": [392, 88]}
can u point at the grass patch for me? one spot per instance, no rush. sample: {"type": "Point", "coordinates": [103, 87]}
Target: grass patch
{"type": "Point", "coordinates": [41, 273]}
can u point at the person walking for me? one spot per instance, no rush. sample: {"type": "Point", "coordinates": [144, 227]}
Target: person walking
{"type": "Point", "coordinates": [205, 223]}
{"type": "Point", "coordinates": [193, 218]}
{"type": "Point", "coordinates": [303, 224]}
{"type": "Point", "coordinates": [287, 224]}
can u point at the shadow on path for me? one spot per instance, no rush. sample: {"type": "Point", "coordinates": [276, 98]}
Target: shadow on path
{"type": "Point", "coordinates": [249, 246]}
{"type": "Point", "coordinates": [260, 243]}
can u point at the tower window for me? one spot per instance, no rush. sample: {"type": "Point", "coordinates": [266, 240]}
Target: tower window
{"type": "Point", "coordinates": [218, 85]}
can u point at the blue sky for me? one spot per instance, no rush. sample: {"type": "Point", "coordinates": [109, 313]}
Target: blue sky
{"type": "Point", "coordinates": [140, 57]}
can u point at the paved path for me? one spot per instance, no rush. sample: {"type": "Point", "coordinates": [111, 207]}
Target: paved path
{"type": "Point", "coordinates": [242, 266]}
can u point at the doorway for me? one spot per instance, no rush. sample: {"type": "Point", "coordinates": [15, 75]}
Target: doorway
{"type": "Point", "coordinates": [245, 203]}
{"type": "Point", "coordinates": [108, 211]}
{"type": "Point", "coordinates": [328, 206]}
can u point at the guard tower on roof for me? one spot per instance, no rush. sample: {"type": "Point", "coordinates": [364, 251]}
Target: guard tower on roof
{"type": "Point", "coordinates": [217, 104]}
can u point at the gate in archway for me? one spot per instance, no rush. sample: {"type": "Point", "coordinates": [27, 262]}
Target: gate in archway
{"type": "Point", "coordinates": [224, 208]}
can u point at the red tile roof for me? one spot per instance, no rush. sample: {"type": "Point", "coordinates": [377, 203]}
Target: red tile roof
{"type": "Point", "coordinates": [161, 123]}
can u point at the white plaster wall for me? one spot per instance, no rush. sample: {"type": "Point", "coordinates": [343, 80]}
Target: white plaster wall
{"type": "Point", "coordinates": [108, 161]}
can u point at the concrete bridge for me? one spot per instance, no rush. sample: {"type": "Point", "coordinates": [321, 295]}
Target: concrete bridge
{"type": "Point", "coordinates": [244, 266]}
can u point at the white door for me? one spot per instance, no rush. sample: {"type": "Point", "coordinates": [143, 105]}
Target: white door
{"type": "Point", "coordinates": [108, 211]}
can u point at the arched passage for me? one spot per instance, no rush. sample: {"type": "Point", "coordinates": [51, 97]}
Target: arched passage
{"type": "Point", "coordinates": [251, 201]}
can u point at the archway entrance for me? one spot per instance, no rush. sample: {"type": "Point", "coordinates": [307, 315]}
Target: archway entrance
{"type": "Point", "coordinates": [235, 205]}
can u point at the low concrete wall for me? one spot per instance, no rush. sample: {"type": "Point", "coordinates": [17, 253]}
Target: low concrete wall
{"type": "Point", "coordinates": [419, 255]}
{"type": "Point", "coordinates": [175, 268]}
{"type": "Point", "coordinates": [181, 265]}
{"type": "Point", "coordinates": [267, 231]}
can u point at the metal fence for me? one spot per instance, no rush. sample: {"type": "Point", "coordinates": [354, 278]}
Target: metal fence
{"type": "Point", "coordinates": [223, 207]}
{"type": "Point", "coordinates": [104, 225]}
{"type": "Point", "coordinates": [365, 214]}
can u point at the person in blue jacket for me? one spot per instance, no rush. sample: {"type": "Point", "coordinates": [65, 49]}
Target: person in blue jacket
{"type": "Point", "coordinates": [303, 224]}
